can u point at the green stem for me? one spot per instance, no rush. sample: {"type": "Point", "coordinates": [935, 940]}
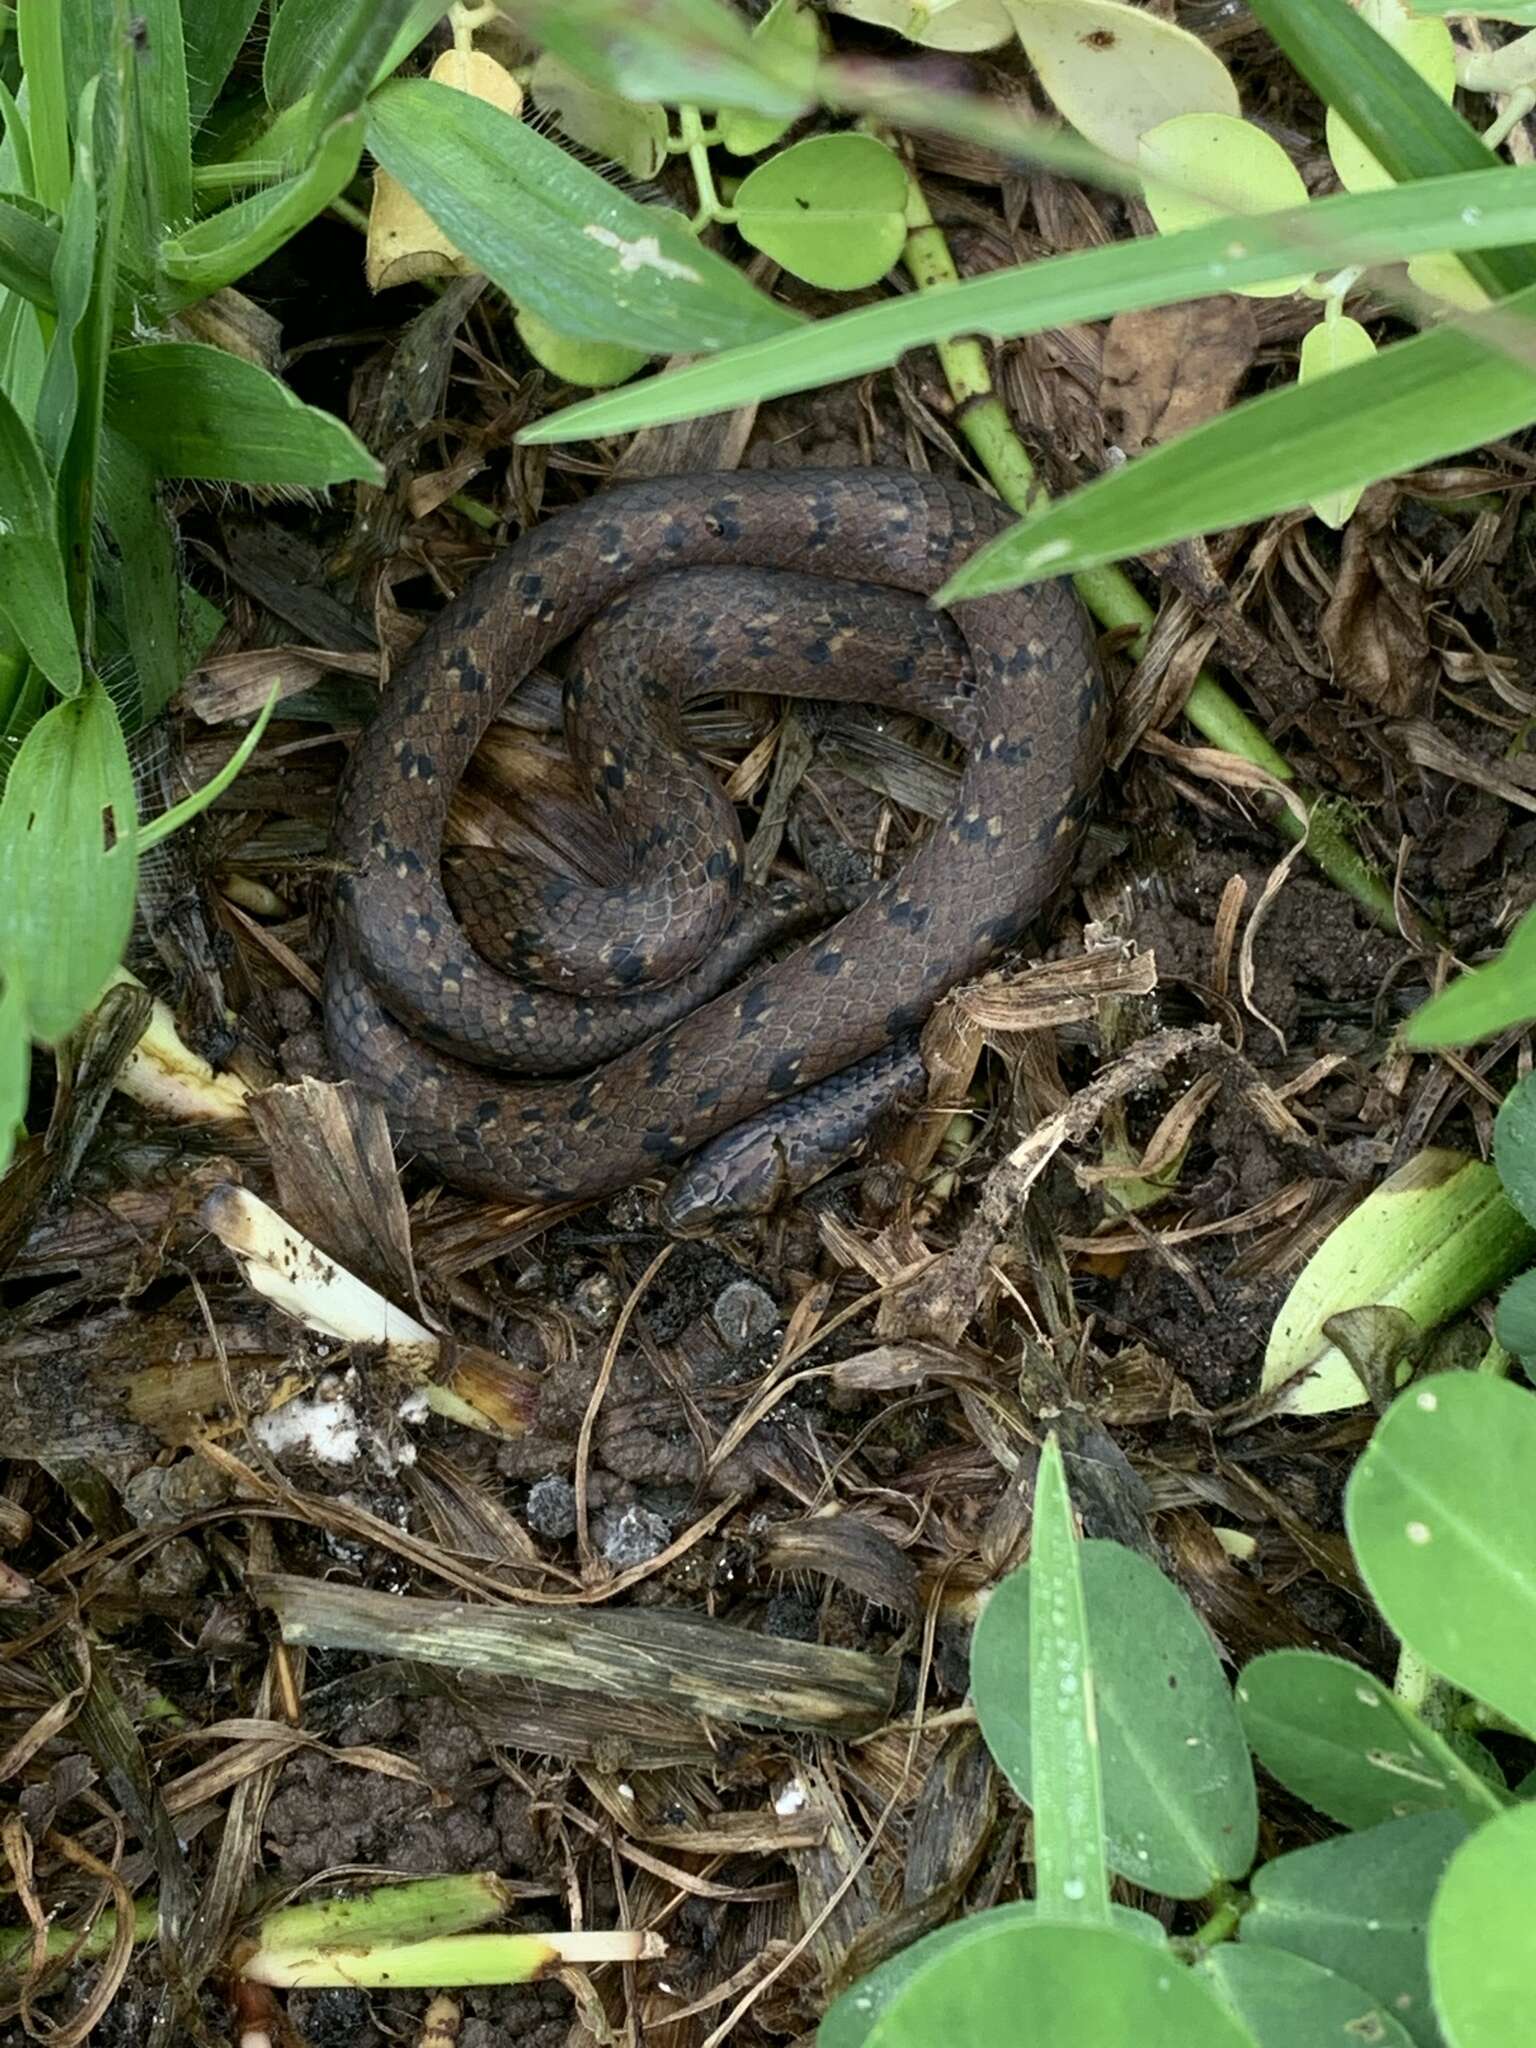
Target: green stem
{"type": "Point", "coordinates": [1227, 1906]}
{"type": "Point", "coordinates": [1111, 596]}
{"type": "Point", "coordinates": [694, 138]}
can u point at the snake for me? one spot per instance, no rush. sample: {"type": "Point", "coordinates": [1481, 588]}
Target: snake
{"type": "Point", "coordinates": [497, 1072]}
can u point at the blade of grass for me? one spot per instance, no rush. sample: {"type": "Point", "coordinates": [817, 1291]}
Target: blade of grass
{"type": "Point", "coordinates": [692, 52]}
{"type": "Point", "coordinates": [1364, 228]}
{"type": "Point", "coordinates": [34, 591]}
{"type": "Point", "coordinates": [1071, 1879]}
{"type": "Point", "coordinates": [29, 248]}
{"type": "Point", "coordinates": [40, 39]}
{"type": "Point", "coordinates": [193, 806]}
{"type": "Point", "coordinates": [73, 268]}
{"type": "Point", "coordinates": [1437, 395]}
{"type": "Point", "coordinates": [1399, 117]}
{"type": "Point", "coordinates": [229, 244]}
{"type": "Point", "coordinates": [556, 237]}
{"type": "Point", "coordinates": [159, 129]}
{"type": "Point", "coordinates": [213, 32]}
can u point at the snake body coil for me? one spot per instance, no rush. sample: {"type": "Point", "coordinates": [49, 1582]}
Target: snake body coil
{"type": "Point", "coordinates": [418, 1017]}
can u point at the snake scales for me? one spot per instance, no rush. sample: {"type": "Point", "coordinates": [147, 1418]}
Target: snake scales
{"type": "Point", "coordinates": [419, 1016]}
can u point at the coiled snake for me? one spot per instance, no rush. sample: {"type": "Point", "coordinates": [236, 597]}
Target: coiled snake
{"type": "Point", "coordinates": [419, 1017]}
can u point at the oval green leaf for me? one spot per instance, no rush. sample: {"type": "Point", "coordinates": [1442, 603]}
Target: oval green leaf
{"type": "Point", "coordinates": [831, 209]}
{"type": "Point", "coordinates": [195, 411]}
{"type": "Point", "coordinates": [1441, 1511]}
{"type": "Point", "coordinates": [1338, 1738]}
{"type": "Point", "coordinates": [1359, 1905]}
{"type": "Point", "coordinates": [67, 861]}
{"type": "Point", "coordinates": [1333, 344]}
{"type": "Point", "coordinates": [1203, 167]}
{"type": "Point", "coordinates": [1482, 1960]}
{"type": "Point", "coordinates": [791, 31]}
{"type": "Point", "coordinates": [964, 26]}
{"type": "Point", "coordinates": [1285, 2001]}
{"type": "Point", "coordinates": [557, 237]}
{"type": "Point", "coordinates": [1116, 71]}
{"type": "Point", "coordinates": [1071, 1987]}
{"type": "Point", "coordinates": [1515, 1322]}
{"type": "Point", "coordinates": [592, 363]}
{"type": "Point", "coordinates": [1179, 1802]}
{"type": "Point", "coordinates": [850, 2019]}
{"type": "Point", "coordinates": [630, 135]}
{"type": "Point", "coordinates": [1514, 1146]}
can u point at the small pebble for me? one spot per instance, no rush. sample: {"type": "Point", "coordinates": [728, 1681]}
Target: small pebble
{"type": "Point", "coordinates": [552, 1508]}
{"type": "Point", "coordinates": [632, 1536]}
{"type": "Point", "coordinates": [745, 1314]}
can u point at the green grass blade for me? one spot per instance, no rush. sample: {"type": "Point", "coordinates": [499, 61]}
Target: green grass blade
{"type": "Point", "coordinates": [1400, 118]}
{"type": "Point", "coordinates": [40, 38]}
{"type": "Point", "coordinates": [159, 127]}
{"type": "Point", "coordinates": [697, 52]}
{"type": "Point", "coordinates": [328, 57]}
{"type": "Point", "coordinates": [229, 244]}
{"type": "Point", "coordinates": [139, 618]}
{"type": "Point", "coordinates": [73, 269]}
{"type": "Point", "coordinates": [555, 236]}
{"type": "Point", "coordinates": [34, 594]}
{"type": "Point", "coordinates": [16, 151]}
{"type": "Point", "coordinates": [1365, 228]}
{"type": "Point", "coordinates": [213, 32]}
{"type": "Point", "coordinates": [1071, 1882]}
{"type": "Point", "coordinates": [1437, 395]}
{"type": "Point", "coordinates": [195, 411]}
{"type": "Point", "coordinates": [194, 805]}
{"type": "Point", "coordinates": [67, 861]}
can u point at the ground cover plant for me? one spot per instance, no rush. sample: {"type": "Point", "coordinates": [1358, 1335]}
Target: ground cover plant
{"type": "Point", "coordinates": [1078, 1561]}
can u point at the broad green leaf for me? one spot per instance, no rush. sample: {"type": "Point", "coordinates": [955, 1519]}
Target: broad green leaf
{"type": "Point", "coordinates": [964, 26]}
{"type": "Point", "coordinates": [1514, 1146]}
{"type": "Point", "coordinates": [1068, 1987]}
{"type": "Point", "coordinates": [630, 135]}
{"type": "Point", "coordinates": [1116, 71]}
{"type": "Point", "coordinates": [1333, 344]}
{"type": "Point", "coordinates": [1359, 1905]}
{"type": "Point", "coordinates": [29, 247]}
{"type": "Point", "coordinates": [1402, 120]}
{"type": "Point", "coordinates": [1204, 167]}
{"type": "Point", "coordinates": [1427, 46]}
{"type": "Point", "coordinates": [1180, 1810]}
{"type": "Point", "coordinates": [592, 363]}
{"type": "Point", "coordinates": [1092, 284]}
{"type": "Point", "coordinates": [1515, 1322]}
{"type": "Point", "coordinates": [849, 2019]}
{"type": "Point", "coordinates": [73, 269]}
{"type": "Point", "coordinates": [1437, 395]}
{"type": "Point", "coordinates": [1287, 2002]}
{"type": "Point", "coordinates": [67, 861]}
{"type": "Point", "coordinates": [1441, 1512]}
{"type": "Point", "coordinates": [1338, 1738]}
{"type": "Point", "coordinates": [1487, 1000]}
{"type": "Point", "coordinates": [1070, 1879]}
{"type": "Point", "coordinates": [679, 52]}
{"type": "Point", "coordinates": [213, 32]}
{"type": "Point", "coordinates": [226, 245]}
{"type": "Point", "coordinates": [793, 28]}
{"type": "Point", "coordinates": [1430, 1241]}
{"type": "Point", "coordinates": [33, 593]}
{"type": "Point", "coordinates": [196, 411]}
{"type": "Point", "coordinates": [15, 1062]}
{"type": "Point", "coordinates": [1482, 1960]}
{"type": "Point", "coordinates": [831, 209]}
{"type": "Point", "coordinates": [555, 236]}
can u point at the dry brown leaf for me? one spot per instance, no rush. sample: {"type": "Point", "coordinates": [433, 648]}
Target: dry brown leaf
{"type": "Point", "coordinates": [1374, 623]}
{"type": "Point", "coordinates": [1169, 368]}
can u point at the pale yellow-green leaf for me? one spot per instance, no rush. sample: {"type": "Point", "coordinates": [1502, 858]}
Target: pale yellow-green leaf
{"type": "Point", "coordinates": [1444, 276]}
{"type": "Point", "coordinates": [1425, 43]}
{"type": "Point", "coordinates": [1201, 167]}
{"type": "Point", "coordinates": [1432, 1239]}
{"type": "Point", "coordinates": [1334, 345]}
{"type": "Point", "coordinates": [1115, 72]}
{"type": "Point", "coordinates": [593, 364]}
{"type": "Point", "coordinates": [625, 132]}
{"type": "Point", "coordinates": [1507, 69]}
{"type": "Point", "coordinates": [789, 30]}
{"type": "Point", "coordinates": [958, 25]}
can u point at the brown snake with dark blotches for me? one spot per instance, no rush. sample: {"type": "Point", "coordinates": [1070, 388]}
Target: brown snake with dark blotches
{"type": "Point", "coordinates": [406, 991]}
